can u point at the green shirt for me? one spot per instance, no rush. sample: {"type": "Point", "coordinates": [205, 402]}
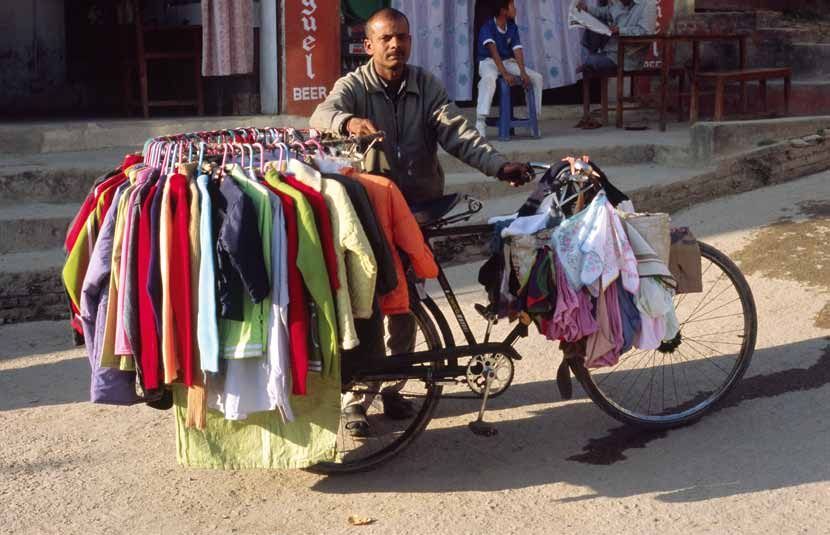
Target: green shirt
{"type": "Point", "coordinates": [311, 264]}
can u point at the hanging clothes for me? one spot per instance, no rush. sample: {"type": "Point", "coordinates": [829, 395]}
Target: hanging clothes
{"type": "Point", "coordinates": [311, 264]}
{"type": "Point", "coordinates": [298, 318]}
{"type": "Point", "coordinates": [387, 279]}
{"type": "Point", "coordinates": [107, 385]}
{"type": "Point", "coordinates": [227, 37]}
{"type": "Point", "coordinates": [592, 247]}
{"type": "Point", "coordinates": [401, 231]}
{"type": "Point", "coordinates": [207, 328]}
{"type": "Point", "coordinates": [355, 261]}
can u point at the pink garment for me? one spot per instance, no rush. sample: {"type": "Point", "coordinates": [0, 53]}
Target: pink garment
{"type": "Point", "coordinates": [652, 332]}
{"type": "Point", "coordinates": [227, 37]}
{"type": "Point", "coordinates": [122, 345]}
{"type": "Point", "coordinates": [572, 318]}
{"type": "Point", "coordinates": [603, 347]}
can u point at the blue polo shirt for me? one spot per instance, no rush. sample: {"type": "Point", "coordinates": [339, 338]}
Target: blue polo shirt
{"type": "Point", "coordinates": [506, 40]}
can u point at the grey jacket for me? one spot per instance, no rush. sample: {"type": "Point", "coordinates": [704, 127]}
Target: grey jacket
{"type": "Point", "coordinates": [420, 120]}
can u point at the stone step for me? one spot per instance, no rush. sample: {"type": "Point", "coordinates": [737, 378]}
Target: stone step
{"type": "Point", "coordinates": [627, 178]}
{"type": "Point", "coordinates": [31, 287]}
{"type": "Point", "coordinates": [34, 226]}
{"type": "Point", "coordinates": [808, 60]}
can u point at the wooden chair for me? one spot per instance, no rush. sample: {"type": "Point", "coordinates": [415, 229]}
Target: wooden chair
{"type": "Point", "coordinates": [603, 77]}
{"type": "Point", "coordinates": [191, 57]}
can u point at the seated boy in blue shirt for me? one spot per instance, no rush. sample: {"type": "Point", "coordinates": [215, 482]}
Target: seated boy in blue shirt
{"type": "Point", "coordinates": [500, 53]}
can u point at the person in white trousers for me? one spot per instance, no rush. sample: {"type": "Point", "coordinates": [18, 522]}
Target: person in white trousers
{"type": "Point", "coordinates": [500, 54]}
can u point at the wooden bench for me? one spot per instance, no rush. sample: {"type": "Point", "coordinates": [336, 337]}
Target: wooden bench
{"type": "Point", "coordinates": [742, 76]}
{"type": "Point", "coordinates": [603, 77]}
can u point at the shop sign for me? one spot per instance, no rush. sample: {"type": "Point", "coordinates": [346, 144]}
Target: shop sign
{"type": "Point", "coordinates": [311, 53]}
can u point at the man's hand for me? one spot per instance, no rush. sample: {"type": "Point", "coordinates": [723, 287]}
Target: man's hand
{"type": "Point", "coordinates": [615, 30]}
{"type": "Point", "coordinates": [361, 127]}
{"type": "Point", "coordinates": [509, 78]}
{"type": "Point", "coordinates": [517, 174]}
{"type": "Point", "coordinates": [525, 78]}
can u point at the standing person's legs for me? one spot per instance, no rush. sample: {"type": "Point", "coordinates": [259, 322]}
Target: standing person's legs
{"type": "Point", "coordinates": [402, 332]}
{"type": "Point", "coordinates": [488, 74]}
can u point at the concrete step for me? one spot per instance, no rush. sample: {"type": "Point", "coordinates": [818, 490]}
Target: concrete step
{"type": "Point", "coordinates": [43, 137]}
{"type": "Point", "coordinates": [60, 177]}
{"type": "Point", "coordinates": [627, 178]}
{"type": "Point", "coordinates": [31, 287]}
{"type": "Point", "coordinates": [34, 226]}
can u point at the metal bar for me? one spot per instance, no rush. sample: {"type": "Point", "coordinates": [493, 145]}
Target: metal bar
{"type": "Point", "coordinates": [404, 363]}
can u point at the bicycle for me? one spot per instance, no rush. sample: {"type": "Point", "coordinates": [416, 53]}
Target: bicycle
{"type": "Point", "coordinates": [717, 337]}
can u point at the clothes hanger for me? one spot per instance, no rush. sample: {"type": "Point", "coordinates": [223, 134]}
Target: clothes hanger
{"type": "Point", "coordinates": [261, 157]}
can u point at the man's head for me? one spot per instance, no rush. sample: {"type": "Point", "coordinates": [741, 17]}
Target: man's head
{"type": "Point", "coordinates": [388, 40]}
{"type": "Point", "coordinates": [506, 8]}
{"type": "Point", "coordinates": [626, 3]}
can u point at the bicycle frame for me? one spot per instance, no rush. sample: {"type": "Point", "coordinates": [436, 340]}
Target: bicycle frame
{"type": "Point", "coordinates": [410, 365]}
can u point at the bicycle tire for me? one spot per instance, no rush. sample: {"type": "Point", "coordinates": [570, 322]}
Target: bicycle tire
{"type": "Point", "coordinates": [688, 414]}
{"type": "Point", "coordinates": [415, 427]}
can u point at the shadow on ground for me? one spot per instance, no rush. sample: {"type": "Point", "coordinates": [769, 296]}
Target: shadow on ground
{"type": "Point", "coordinates": [778, 441]}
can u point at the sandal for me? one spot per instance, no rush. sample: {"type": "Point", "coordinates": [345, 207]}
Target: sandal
{"type": "Point", "coordinates": [395, 407]}
{"type": "Point", "coordinates": [591, 124]}
{"type": "Point", "coordinates": [356, 424]}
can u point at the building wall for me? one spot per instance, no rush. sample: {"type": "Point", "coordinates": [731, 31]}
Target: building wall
{"type": "Point", "coordinates": [774, 5]}
{"type": "Point", "coordinates": [32, 52]}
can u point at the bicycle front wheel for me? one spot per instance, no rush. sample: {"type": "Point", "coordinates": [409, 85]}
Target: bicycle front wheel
{"type": "Point", "coordinates": [685, 378]}
{"type": "Point", "coordinates": [388, 437]}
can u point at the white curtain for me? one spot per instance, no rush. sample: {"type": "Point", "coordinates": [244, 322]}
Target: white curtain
{"type": "Point", "coordinates": [442, 42]}
{"type": "Point", "coordinates": [550, 47]}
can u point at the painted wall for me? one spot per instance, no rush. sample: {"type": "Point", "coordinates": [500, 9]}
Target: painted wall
{"type": "Point", "coordinates": [32, 53]}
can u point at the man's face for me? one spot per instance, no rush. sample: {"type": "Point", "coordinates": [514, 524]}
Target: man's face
{"type": "Point", "coordinates": [389, 43]}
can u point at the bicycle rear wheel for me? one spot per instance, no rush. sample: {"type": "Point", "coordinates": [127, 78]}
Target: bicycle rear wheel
{"type": "Point", "coordinates": [684, 379]}
{"type": "Point", "coordinates": [390, 437]}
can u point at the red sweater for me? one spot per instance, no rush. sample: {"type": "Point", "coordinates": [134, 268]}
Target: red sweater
{"type": "Point", "coordinates": [146, 319]}
{"type": "Point", "coordinates": [298, 328]}
{"type": "Point", "coordinates": [180, 287]}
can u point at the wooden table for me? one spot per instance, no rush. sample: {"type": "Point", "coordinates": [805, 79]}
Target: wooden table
{"type": "Point", "coordinates": [668, 43]}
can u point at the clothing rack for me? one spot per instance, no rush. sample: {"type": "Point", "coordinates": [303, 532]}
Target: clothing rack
{"type": "Point", "coordinates": [244, 141]}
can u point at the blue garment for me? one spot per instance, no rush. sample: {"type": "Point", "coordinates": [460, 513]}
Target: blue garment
{"type": "Point", "coordinates": [631, 320]}
{"type": "Point", "coordinates": [240, 263]}
{"type": "Point", "coordinates": [207, 328]}
{"type": "Point", "coordinates": [506, 41]}
{"type": "Point", "coordinates": [107, 385]}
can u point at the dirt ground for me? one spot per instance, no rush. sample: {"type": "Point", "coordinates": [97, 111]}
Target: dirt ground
{"type": "Point", "coordinates": [759, 464]}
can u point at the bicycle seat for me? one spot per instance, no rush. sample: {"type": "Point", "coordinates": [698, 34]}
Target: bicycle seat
{"type": "Point", "coordinates": [429, 212]}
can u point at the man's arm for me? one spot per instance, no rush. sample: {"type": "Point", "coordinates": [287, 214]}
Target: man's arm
{"type": "Point", "coordinates": [643, 21]}
{"type": "Point", "coordinates": [455, 135]}
{"type": "Point", "coordinates": [340, 105]}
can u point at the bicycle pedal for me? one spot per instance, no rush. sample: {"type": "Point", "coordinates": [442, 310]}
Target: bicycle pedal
{"type": "Point", "coordinates": [483, 429]}
{"type": "Point", "coordinates": [486, 312]}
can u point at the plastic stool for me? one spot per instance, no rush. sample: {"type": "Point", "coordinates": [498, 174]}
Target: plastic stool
{"type": "Point", "coordinates": [506, 121]}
